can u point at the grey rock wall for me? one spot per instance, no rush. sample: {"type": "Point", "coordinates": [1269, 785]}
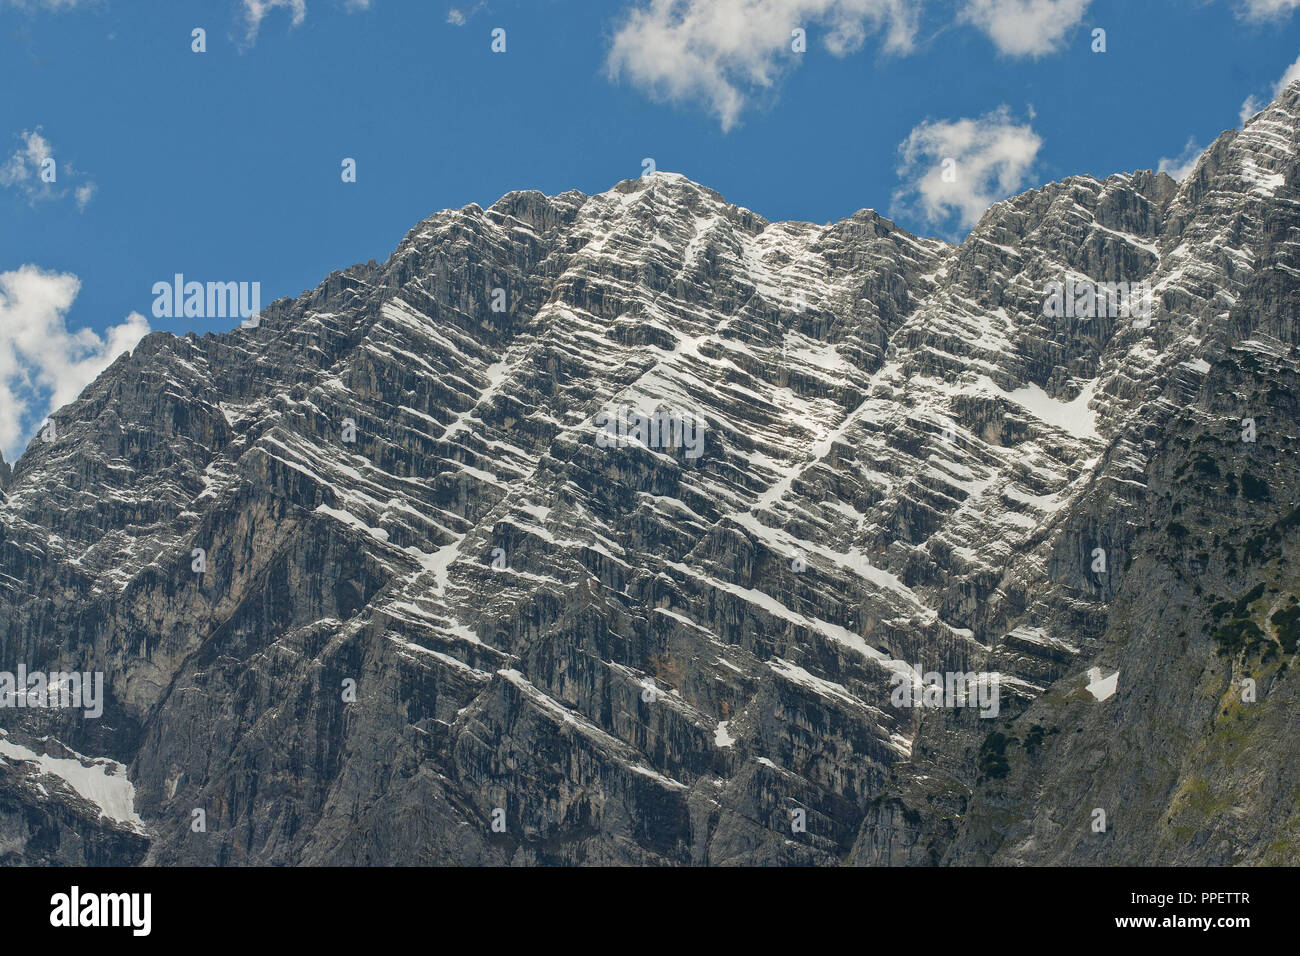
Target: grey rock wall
{"type": "Point", "coordinates": [635, 655]}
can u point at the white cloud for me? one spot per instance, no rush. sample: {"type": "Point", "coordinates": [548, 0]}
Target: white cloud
{"type": "Point", "coordinates": [1025, 27]}
{"type": "Point", "coordinates": [1181, 165]}
{"type": "Point", "coordinates": [46, 4]}
{"type": "Point", "coordinates": [24, 171]}
{"type": "Point", "coordinates": [1249, 107]}
{"type": "Point", "coordinates": [991, 157]}
{"type": "Point", "coordinates": [23, 168]}
{"type": "Point", "coordinates": [255, 12]}
{"type": "Point", "coordinates": [43, 365]}
{"type": "Point", "coordinates": [1267, 9]}
{"type": "Point", "coordinates": [1253, 104]}
{"type": "Point", "coordinates": [724, 51]}
{"type": "Point", "coordinates": [458, 17]}
{"type": "Point", "coordinates": [1290, 76]}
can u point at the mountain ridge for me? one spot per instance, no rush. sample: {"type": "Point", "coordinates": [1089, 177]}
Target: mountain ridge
{"type": "Point", "coordinates": [631, 656]}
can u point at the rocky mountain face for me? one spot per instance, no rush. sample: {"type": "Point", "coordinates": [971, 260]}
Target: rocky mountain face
{"type": "Point", "coordinates": [371, 583]}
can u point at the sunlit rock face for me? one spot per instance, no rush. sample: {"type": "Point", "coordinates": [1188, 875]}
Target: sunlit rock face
{"type": "Point", "coordinates": [375, 581]}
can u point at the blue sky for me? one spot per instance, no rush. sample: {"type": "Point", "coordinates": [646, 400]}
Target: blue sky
{"type": "Point", "coordinates": [225, 165]}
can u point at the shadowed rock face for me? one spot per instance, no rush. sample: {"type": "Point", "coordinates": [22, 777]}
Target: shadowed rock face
{"type": "Point", "coordinates": [431, 600]}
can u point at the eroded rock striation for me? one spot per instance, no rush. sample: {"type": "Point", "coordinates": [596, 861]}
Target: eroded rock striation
{"type": "Point", "coordinates": [431, 601]}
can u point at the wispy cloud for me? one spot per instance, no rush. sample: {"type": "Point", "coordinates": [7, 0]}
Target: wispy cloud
{"type": "Point", "coordinates": [255, 11]}
{"type": "Point", "coordinates": [25, 166]}
{"type": "Point", "coordinates": [723, 52]}
{"type": "Point", "coordinates": [459, 16]}
{"type": "Point", "coordinates": [1253, 104]}
{"type": "Point", "coordinates": [46, 4]}
{"type": "Point", "coordinates": [36, 173]}
{"type": "Point", "coordinates": [1249, 107]}
{"type": "Point", "coordinates": [956, 169]}
{"type": "Point", "coordinates": [43, 365]}
{"type": "Point", "coordinates": [1181, 165]}
{"type": "Point", "coordinates": [1266, 9]}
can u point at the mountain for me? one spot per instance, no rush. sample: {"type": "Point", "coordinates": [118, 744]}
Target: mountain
{"type": "Point", "coordinates": [371, 582]}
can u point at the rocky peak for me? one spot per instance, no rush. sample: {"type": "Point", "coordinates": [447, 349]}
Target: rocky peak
{"type": "Point", "coordinates": [642, 652]}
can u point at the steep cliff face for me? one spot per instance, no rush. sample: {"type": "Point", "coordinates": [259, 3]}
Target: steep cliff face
{"type": "Point", "coordinates": [1185, 753]}
{"type": "Point", "coordinates": [368, 582]}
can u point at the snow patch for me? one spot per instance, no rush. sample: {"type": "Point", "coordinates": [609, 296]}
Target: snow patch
{"type": "Point", "coordinates": [1102, 687]}
{"type": "Point", "coordinates": [104, 783]}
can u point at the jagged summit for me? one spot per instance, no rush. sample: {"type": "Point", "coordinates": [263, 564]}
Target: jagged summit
{"type": "Point", "coordinates": [909, 462]}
